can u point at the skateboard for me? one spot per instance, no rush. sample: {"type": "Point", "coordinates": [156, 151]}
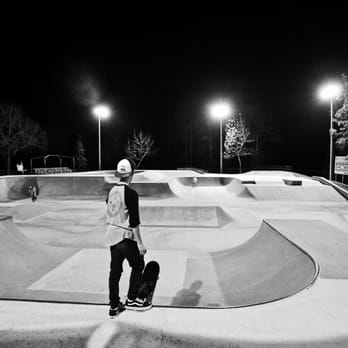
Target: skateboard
{"type": "Point", "coordinates": [149, 281]}
{"type": "Point", "coordinates": [148, 284]}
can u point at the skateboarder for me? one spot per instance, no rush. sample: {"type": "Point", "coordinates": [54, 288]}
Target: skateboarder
{"type": "Point", "coordinates": [124, 239]}
{"type": "Point", "coordinates": [33, 193]}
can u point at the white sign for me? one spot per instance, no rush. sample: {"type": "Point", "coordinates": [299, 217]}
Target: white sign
{"type": "Point", "coordinates": [341, 165]}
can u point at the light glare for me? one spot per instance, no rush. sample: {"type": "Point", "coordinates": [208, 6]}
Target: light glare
{"type": "Point", "coordinates": [220, 109]}
{"type": "Point", "coordinates": [102, 111]}
{"type": "Point", "coordinates": [330, 91]}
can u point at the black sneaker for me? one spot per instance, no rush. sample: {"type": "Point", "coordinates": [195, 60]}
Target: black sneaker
{"type": "Point", "coordinates": [138, 305]}
{"type": "Point", "coordinates": [114, 312]}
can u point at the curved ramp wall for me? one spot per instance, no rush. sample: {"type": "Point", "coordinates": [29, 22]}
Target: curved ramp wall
{"type": "Point", "coordinates": [17, 187]}
{"type": "Point", "coordinates": [266, 268]}
{"type": "Point", "coordinates": [150, 189]}
{"type": "Point", "coordinates": [91, 187]}
{"type": "Point", "coordinates": [204, 181]}
{"type": "Point", "coordinates": [227, 188]}
{"type": "Point", "coordinates": [23, 261]}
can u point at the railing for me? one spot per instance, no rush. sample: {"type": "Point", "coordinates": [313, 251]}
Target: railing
{"type": "Point", "coordinates": [37, 171]}
{"type": "Point", "coordinates": [52, 170]}
{"type": "Point", "coordinates": [339, 187]}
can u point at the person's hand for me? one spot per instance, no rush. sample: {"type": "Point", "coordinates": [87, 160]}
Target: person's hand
{"type": "Point", "coordinates": [142, 249]}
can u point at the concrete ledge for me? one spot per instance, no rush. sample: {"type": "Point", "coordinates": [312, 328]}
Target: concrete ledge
{"type": "Point", "coordinates": [296, 322]}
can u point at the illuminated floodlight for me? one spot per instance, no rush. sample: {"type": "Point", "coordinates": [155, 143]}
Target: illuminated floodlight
{"type": "Point", "coordinates": [220, 110]}
{"type": "Point", "coordinates": [330, 91]}
{"type": "Point", "coordinates": [101, 111]}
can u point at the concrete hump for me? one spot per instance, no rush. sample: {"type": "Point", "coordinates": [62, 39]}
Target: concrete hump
{"type": "Point", "coordinates": [204, 181]}
{"type": "Point", "coordinates": [238, 188]}
{"type": "Point", "coordinates": [150, 189]}
{"type": "Point", "coordinates": [208, 188]}
{"type": "Point", "coordinates": [152, 176]}
{"type": "Point", "coordinates": [184, 216]}
{"type": "Point", "coordinates": [266, 268]}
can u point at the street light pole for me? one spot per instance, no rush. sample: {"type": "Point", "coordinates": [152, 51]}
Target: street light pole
{"type": "Point", "coordinates": [329, 92]}
{"type": "Point", "coordinates": [219, 110]}
{"type": "Point", "coordinates": [221, 156]}
{"type": "Point", "coordinates": [100, 111]}
{"type": "Point", "coordinates": [331, 138]}
{"type": "Point", "coordinates": [99, 143]}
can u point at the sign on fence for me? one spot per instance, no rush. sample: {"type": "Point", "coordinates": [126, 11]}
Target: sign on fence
{"type": "Point", "coordinates": [54, 170]}
{"type": "Point", "coordinates": [341, 165]}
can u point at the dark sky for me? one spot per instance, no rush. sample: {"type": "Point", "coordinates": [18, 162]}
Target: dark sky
{"type": "Point", "coordinates": [159, 78]}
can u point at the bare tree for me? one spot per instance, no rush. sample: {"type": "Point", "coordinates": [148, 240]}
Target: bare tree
{"type": "Point", "coordinates": [237, 134]}
{"type": "Point", "coordinates": [17, 132]}
{"type": "Point", "coordinates": [79, 154]}
{"type": "Point", "coordinates": [139, 146]}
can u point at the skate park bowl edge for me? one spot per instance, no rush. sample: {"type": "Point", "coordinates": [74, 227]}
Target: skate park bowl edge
{"type": "Point", "coordinates": [267, 266]}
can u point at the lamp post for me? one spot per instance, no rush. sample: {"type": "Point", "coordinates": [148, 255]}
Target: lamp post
{"type": "Point", "coordinates": [220, 110]}
{"type": "Point", "coordinates": [101, 111]}
{"type": "Point", "coordinates": [330, 91]}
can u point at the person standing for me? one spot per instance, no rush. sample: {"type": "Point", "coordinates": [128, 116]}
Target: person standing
{"type": "Point", "coordinates": [123, 237]}
{"type": "Point", "coordinates": [33, 193]}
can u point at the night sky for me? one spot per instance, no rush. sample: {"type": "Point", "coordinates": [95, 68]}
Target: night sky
{"type": "Point", "coordinates": [159, 79]}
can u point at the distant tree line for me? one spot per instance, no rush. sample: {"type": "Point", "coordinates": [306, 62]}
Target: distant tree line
{"type": "Point", "coordinates": [18, 132]}
{"type": "Point", "coordinates": [21, 136]}
{"type": "Point", "coordinates": [341, 122]}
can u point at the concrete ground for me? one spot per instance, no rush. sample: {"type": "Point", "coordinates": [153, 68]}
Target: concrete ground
{"type": "Point", "coordinates": [274, 243]}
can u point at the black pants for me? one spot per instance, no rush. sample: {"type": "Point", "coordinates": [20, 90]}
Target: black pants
{"type": "Point", "coordinates": [127, 249]}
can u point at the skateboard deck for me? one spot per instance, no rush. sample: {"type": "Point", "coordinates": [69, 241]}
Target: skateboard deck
{"type": "Point", "coordinates": [149, 281]}
{"type": "Point", "coordinates": [148, 284]}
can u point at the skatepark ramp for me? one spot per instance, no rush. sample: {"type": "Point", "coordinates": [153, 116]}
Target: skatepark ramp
{"type": "Point", "coordinates": [227, 188]}
{"type": "Point", "coordinates": [185, 216]}
{"type": "Point", "coordinates": [205, 181]}
{"type": "Point", "coordinates": [183, 187]}
{"type": "Point", "coordinates": [339, 187]}
{"type": "Point", "coordinates": [23, 261]}
{"type": "Point", "coordinates": [211, 188]}
{"type": "Point", "coordinates": [310, 193]}
{"type": "Point", "coordinates": [267, 267]}
{"type": "Point", "coordinates": [53, 186]}
{"type": "Point", "coordinates": [150, 189]}
{"type": "Point", "coordinates": [160, 187]}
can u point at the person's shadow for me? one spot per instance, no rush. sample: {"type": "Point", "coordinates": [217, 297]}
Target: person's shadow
{"type": "Point", "coordinates": [188, 297]}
